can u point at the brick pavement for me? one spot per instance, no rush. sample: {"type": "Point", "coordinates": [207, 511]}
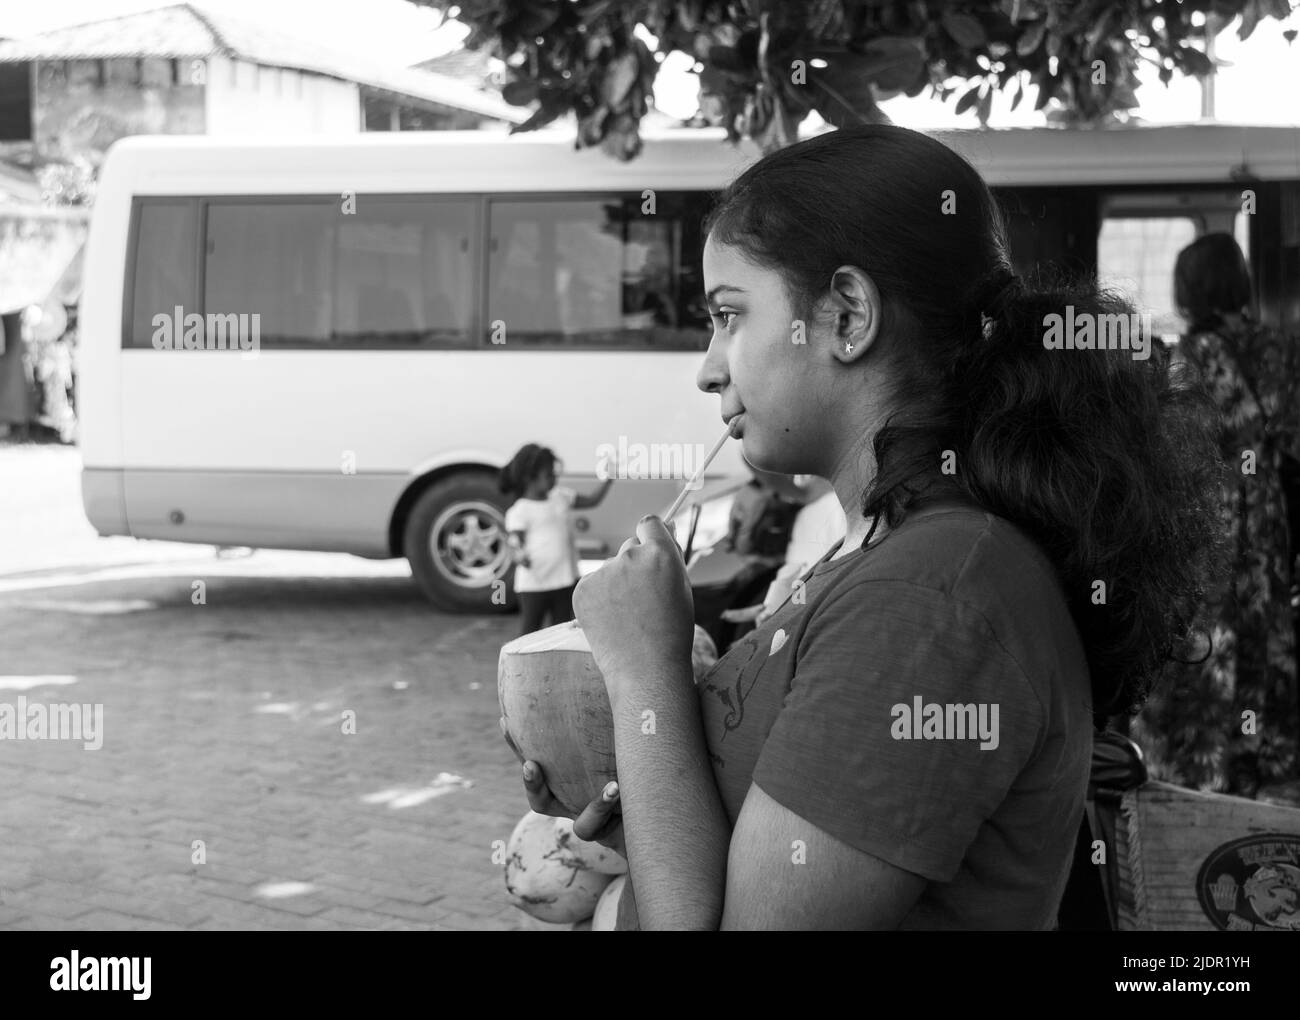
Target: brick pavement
{"type": "Point", "coordinates": [223, 723]}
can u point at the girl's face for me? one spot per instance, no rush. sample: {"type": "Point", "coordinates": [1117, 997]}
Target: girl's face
{"type": "Point", "coordinates": [785, 380]}
{"type": "Point", "coordinates": [543, 482]}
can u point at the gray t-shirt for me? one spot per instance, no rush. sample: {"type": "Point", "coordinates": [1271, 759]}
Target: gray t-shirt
{"type": "Point", "coordinates": [927, 701]}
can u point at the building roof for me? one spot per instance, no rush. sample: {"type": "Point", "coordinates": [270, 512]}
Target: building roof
{"type": "Point", "coordinates": [473, 67]}
{"type": "Point", "coordinates": [186, 31]}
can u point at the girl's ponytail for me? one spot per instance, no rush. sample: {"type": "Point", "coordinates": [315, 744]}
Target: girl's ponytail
{"type": "Point", "coordinates": [1108, 460]}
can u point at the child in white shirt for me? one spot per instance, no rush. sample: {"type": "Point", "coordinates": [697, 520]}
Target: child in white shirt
{"type": "Point", "coordinates": [542, 535]}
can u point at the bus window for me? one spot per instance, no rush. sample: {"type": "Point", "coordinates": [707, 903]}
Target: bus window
{"type": "Point", "coordinates": [405, 274]}
{"type": "Point", "coordinates": [163, 267]}
{"type": "Point", "coordinates": [387, 273]}
{"type": "Point", "coordinates": [597, 273]}
{"type": "Point", "coordinates": [1136, 255]}
{"type": "Point", "coordinates": [274, 260]}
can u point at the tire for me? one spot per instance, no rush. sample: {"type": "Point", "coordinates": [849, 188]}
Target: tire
{"type": "Point", "coordinates": [455, 541]}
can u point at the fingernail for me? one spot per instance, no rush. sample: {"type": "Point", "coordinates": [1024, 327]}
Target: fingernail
{"type": "Point", "coordinates": [528, 772]}
{"type": "Point", "coordinates": [611, 790]}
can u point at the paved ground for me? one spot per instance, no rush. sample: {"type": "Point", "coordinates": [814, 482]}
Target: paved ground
{"type": "Point", "coordinates": [225, 723]}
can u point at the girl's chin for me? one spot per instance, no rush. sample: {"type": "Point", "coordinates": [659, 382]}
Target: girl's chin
{"type": "Point", "coordinates": [762, 458]}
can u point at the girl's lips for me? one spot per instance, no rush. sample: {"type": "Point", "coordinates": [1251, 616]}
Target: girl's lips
{"type": "Point", "coordinates": [737, 426]}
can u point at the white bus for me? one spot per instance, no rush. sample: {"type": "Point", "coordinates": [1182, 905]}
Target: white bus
{"type": "Point", "coordinates": [424, 304]}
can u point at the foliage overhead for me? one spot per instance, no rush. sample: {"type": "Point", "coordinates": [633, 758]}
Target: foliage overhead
{"type": "Point", "coordinates": [765, 64]}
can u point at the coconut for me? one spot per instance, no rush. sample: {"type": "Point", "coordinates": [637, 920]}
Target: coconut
{"type": "Point", "coordinates": [606, 916]}
{"type": "Point", "coordinates": [704, 653]}
{"type": "Point", "coordinates": [595, 856]}
{"type": "Point", "coordinates": [544, 877]}
{"type": "Point", "coordinates": [557, 712]}
{"type": "Point", "coordinates": [553, 700]}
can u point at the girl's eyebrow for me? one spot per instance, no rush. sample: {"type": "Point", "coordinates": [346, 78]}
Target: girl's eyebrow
{"type": "Point", "coordinates": [721, 287]}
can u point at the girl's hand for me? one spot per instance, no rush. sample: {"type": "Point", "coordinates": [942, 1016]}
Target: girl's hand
{"type": "Point", "coordinates": [601, 821]}
{"type": "Point", "coordinates": [637, 609]}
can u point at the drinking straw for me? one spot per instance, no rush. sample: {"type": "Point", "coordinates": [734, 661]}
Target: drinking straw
{"type": "Point", "coordinates": [677, 503]}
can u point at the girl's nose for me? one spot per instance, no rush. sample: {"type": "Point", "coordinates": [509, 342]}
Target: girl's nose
{"type": "Point", "coordinates": [713, 375]}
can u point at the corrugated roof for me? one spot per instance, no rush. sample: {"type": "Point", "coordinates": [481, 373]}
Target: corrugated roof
{"type": "Point", "coordinates": [188, 32]}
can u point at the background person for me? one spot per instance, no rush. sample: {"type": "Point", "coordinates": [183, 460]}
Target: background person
{"type": "Point", "coordinates": [541, 533]}
{"type": "Point", "coordinates": [1192, 730]}
{"type": "Point", "coordinates": [818, 525]}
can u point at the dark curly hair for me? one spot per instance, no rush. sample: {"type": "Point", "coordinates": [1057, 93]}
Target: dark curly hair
{"type": "Point", "coordinates": [1108, 460]}
{"type": "Point", "coordinates": [529, 462]}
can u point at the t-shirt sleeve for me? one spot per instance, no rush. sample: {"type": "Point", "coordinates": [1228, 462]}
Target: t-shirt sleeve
{"type": "Point", "coordinates": [835, 755]}
{"type": "Point", "coordinates": [517, 517]}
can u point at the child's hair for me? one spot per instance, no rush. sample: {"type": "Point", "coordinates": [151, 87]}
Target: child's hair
{"type": "Point", "coordinates": [1109, 462]}
{"type": "Point", "coordinates": [524, 466]}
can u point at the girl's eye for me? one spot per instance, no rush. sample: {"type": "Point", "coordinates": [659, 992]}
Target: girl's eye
{"type": "Point", "coordinates": [726, 323]}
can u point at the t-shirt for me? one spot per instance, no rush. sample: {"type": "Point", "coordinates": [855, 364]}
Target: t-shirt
{"type": "Point", "coordinates": [927, 703]}
{"type": "Point", "coordinates": [548, 541]}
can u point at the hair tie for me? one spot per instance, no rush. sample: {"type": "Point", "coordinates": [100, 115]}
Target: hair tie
{"type": "Point", "coordinates": [992, 298]}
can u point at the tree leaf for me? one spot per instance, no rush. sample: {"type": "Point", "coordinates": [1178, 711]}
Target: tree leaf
{"type": "Point", "coordinates": [969, 99]}
{"type": "Point", "coordinates": [1195, 61]}
{"type": "Point", "coordinates": [520, 92]}
{"type": "Point", "coordinates": [967, 31]}
{"type": "Point", "coordinates": [619, 77]}
{"type": "Point", "coordinates": [1031, 38]}
{"type": "Point", "coordinates": [1250, 15]}
{"type": "Point", "coordinates": [890, 63]}
{"type": "Point", "coordinates": [727, 58]}
{"type": "Point", "coordinates": [1047, 86]}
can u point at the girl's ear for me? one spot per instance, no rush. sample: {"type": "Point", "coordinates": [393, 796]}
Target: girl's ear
{"type": "Point", "coordinates": [854, 301]}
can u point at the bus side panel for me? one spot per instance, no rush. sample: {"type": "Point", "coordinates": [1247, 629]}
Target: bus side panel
{"type": "Point", "coordinates": [327, 512]}
{"type": "Point", "coordinates": [311, 449]}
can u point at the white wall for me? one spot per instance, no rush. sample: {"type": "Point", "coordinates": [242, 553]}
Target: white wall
{"type": "Point", "coordinates": [244, 98]}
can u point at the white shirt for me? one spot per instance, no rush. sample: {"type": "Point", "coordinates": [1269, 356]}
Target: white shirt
{"type": "Point", "coordinates": [548, 541]}
{"type": "Point", "coordinates": [817, 527]}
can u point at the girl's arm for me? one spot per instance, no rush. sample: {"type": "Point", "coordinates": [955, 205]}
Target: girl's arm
{"type": "Point", "coordinates": [516, 540]}
{"type": "Point", "coordinates": [688, 871]}
{"type": "Point", "coordinates": [581, 502]}
{"type": "Point", "coordinates": [674, 825]}
{"type": "Point", "coordinates": [785, 873]}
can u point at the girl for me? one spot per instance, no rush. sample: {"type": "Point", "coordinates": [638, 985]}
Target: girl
{"type": "Point", "coordinates": [1026, 531]}
{"type": "Point", "coordinates": [541, 534]}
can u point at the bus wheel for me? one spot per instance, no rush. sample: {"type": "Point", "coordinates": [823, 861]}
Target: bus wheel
{"type": "Point", "coordinates": [455, 541]}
